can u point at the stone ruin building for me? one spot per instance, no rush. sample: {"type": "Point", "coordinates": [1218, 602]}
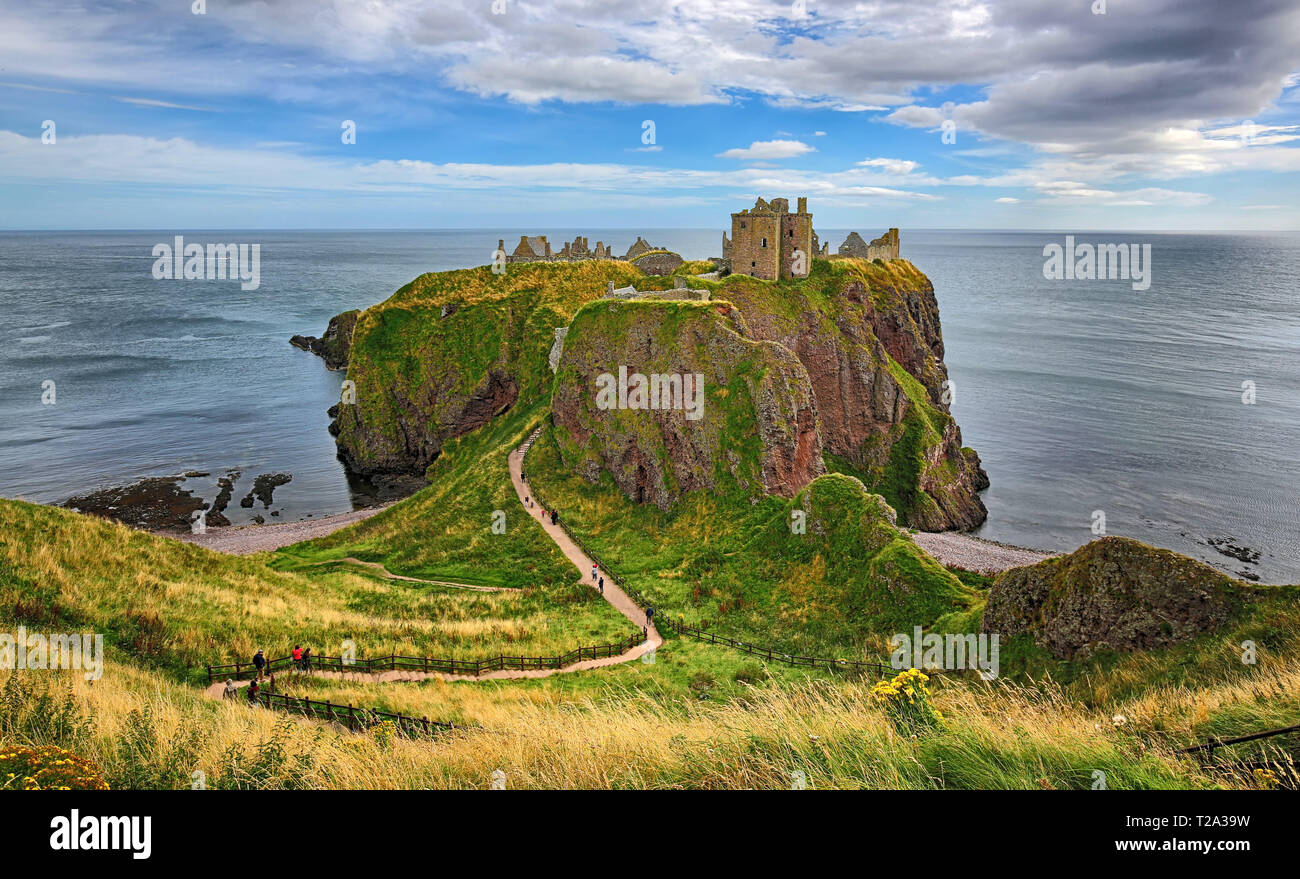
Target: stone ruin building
{"type": "Point", "coordinates": [884, 247]}
{"type": "Point", "coordinates": [535, 248]}
{"type": "Point", "coordinates": [765, 238]}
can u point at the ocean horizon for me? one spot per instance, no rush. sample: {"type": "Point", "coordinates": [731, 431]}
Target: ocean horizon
{"type": "Point", "coordinates": [1080, 396]}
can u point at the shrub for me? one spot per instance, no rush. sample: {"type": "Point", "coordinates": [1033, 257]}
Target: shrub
{"type": "Point", "coordinates": [270, 766]}
{"type": "Point", "coordinates": [147, 762]}
{"type": "Point", "coordinates": [34, 712]}
{"type": "Point", "coordinates": [701, 682]}
{"type": "Point", "coordinates": [47, 768]}
{"type": "Point", "coordinates": [906, 702]}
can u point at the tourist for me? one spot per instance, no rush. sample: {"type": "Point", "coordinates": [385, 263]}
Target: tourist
{"type": "Point", "coordinates": [306, 659]}
{"type": "Point", "coordinates": [297, 656]}
{"type": "Point", "coordinates": [231, 691]}
{"type": "Point", "coordinates": [555, 517]}
{"type": "Point", "coordinates": [593, 573]}
{"type": "Point", "coordinates": [252, 692]}
{"type": "Point", "coordinates": [649, 615]}
{"type": "Point", "coordinates": [259, 660]}
{"type": "Point", "coordinates": [602, 585]}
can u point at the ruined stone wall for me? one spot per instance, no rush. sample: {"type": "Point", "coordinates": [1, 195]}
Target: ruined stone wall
{"type": "Point", "coordinates": [796, 234]}
{"type": "Point", "coordinates": [755, 245]}
{"type": "Point", "coordinates": [885, 247]}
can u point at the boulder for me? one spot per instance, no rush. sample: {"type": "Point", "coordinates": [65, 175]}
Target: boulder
{"type": "Point", "coordinates": [1112, 594]}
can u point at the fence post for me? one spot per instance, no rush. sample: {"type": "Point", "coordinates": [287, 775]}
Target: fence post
{"type": "Point", "coordinates": [236, 670]}
{"type": "Point", "coordinates": [351, 716]}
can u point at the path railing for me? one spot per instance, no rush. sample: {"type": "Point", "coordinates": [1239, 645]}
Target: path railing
{"type": "Point", "coordinates": [771, 655]}
{"type": "Point", "coordinates": [356, 719]}
{"type": "Point", "coordinates": [427, 664]}
{"type": "Point", "coordinates": [1207, 749]}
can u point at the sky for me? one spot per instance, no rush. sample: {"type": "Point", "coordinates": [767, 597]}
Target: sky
{"type": "Point", "coordinates": [1016, 114]}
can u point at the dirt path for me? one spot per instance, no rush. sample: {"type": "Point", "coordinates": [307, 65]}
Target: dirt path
{"type": "Point", "coordinates": [389, 575]}
{"type": "Point", "coordinates": [612, 593]}
{"type": "Point", "coordinates": [975, 554]}
{"type": "Point", "coordinates": [581, 560]}
{"type": "Point", "coordinates": [247, 539]}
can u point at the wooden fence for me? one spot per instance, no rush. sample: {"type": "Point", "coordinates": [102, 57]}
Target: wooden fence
{"type": "Point", "coordinates": [354, 718]}
{"type": "Point", "coordinates": [1207, 749]}
{"type": "Point", "coordinates": [394, 662]}
{"type": "Point", "coordinates": [771, 655]}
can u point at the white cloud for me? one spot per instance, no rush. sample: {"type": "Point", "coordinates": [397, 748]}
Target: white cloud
{"type": "Point", "coordinates": [119, 158]}
{"type": "Point", "coordinates": [1007, 200]}
{"type": "Point", "coordinates": [768, 149]}
{"type": "Point", "coordinates": [892, 166]}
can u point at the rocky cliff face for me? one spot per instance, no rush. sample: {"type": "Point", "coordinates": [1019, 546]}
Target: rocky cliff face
{"type": "Point", "coordinates": [452, 350]}
{"type": "Point", "coordinates": [750, 423]}
{"type": "Point", "coordinates": [845, 365]}
{"type": "Point", "coordinates": [1113, 594]}
{"type": "Point", "coordinates": [870, 338]}
{"type": "Point", "coordinates": [334, 346]}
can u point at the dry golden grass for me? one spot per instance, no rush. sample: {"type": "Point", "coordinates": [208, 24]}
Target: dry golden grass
{"type": "Point", "coordinates": [994, 736]}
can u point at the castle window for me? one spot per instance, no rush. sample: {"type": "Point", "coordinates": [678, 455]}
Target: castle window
{"type": "Point", "coordinates": [791, 233]}
{"type": "Point", "coordinates": [764, 244]}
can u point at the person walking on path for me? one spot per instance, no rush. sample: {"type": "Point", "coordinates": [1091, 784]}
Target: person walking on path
{"type": "Point", "coordinates": [306, 659]}
{"type": "Point", "coordinates": [297, 656]}
{"type": "Point", "coordinates": [593, 573]}
{"type": "Point", "coordinates": [230, 691]}
{"type": "Point", "coordinates": [252, 692]}
{"type": "Point", "coordinates": [649, 615]}
{"type": "Point", "coordinates": [602, 585]}
{"type": "Point", "coordinates": [259, 661]}
{"type": "Point", "coordinates": [555, 517]}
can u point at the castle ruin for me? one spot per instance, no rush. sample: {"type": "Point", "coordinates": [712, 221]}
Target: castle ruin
{"type": "Point", "coordinates": [766, 238]}
{"type": "Point", "coordinates": [536, 248]}
{"type": "Point", "coordinates": [884, 247]}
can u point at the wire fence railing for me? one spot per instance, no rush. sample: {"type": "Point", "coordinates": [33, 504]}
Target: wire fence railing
{"type": "Point", "coordinates": [424, 664]}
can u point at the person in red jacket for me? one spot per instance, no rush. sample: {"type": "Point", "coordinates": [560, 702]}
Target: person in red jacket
{"type": "Point", "coordinates": [297, 656]}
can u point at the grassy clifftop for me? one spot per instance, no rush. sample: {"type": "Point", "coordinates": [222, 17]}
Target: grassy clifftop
{"type": "Point", "coordinates": [452, 350]}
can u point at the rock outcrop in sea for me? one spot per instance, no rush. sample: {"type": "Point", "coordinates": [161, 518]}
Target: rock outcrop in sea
{"type": "Point", "coordinates": [333, 347]}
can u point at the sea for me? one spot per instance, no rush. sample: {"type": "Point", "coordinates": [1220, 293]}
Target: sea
{"type": "Point", "coordinates": [1170, 414]}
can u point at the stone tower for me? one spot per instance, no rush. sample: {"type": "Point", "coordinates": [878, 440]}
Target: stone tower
{"type": "Point", "coordinates": [764, 240]}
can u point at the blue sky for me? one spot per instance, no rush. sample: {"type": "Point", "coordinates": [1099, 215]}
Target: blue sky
{"type": "Point", "coordinates": [1156, 114]}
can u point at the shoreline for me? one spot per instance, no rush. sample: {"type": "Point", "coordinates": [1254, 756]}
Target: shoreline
{"type": "Point", "coordinates": [248, 539]}
{"type": "Point", "coordinates": [961, 550]}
